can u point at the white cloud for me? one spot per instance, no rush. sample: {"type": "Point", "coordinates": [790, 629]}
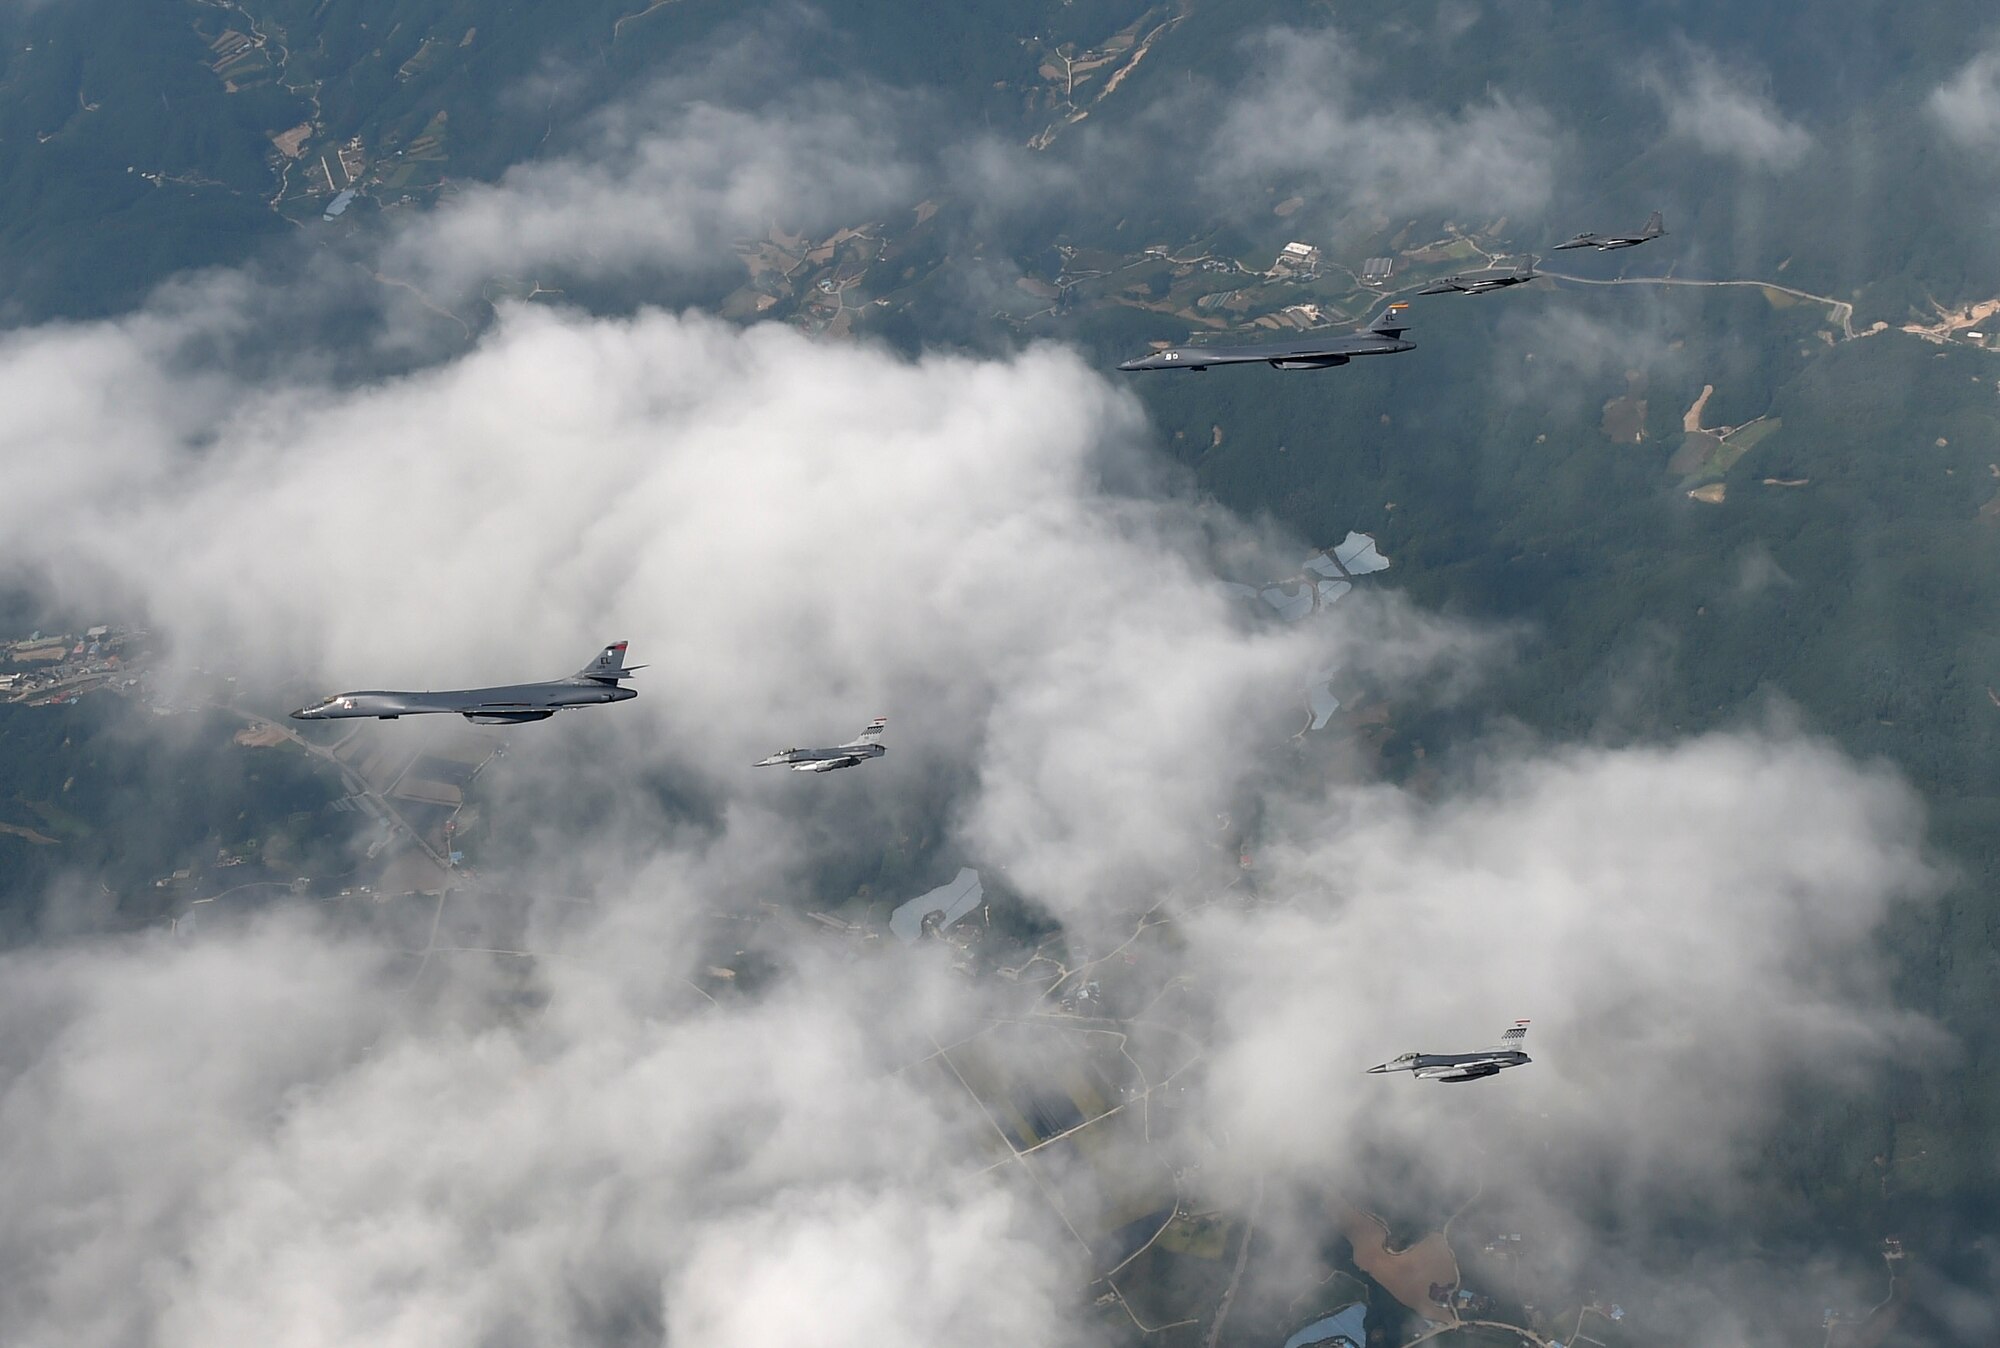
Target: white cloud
{"type": "Point", "coordinates": [1687, 926]}
{"type": "Point", "coordinates": [666, 183]}
{"type": "Point", "coordinates": [261, 1135]}
{"type": "Point", "coordinates": [243, 1138]}
{"type": "Point", "coordinates": [1722, 109]}
{"type": "Point", "coordinates": [1967, 105]}
{"type": "Point", "coordinates": [795, 536]}
{"type": "Point", "coordinates": [1304, 115]}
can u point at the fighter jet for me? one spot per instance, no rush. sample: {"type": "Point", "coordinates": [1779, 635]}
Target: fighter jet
{"type": "Point", "coordinates": [1464, 1066]}
{"type": "Point", "coordinates": [1307, 351]}
{"type": "Point", "coordinates": [1653, 230]}
{"type": "Point", "coordinates": [868, 744]}
{"type": "Point", "coordinates": [1479, 282]}
{"type": "Point", "coordinates": [595, 682]}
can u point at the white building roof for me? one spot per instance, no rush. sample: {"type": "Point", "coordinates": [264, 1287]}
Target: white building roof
{"type": "Point", "coordinates": [1358, 555]}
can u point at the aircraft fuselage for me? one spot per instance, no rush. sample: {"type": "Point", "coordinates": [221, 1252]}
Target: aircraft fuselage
{"type": "Point", "coordinates": [503, 705]}
{"type": "Point", "coordinates": [1300, 355]}
{"type": "Point", "coordinates": [1455, 1066]}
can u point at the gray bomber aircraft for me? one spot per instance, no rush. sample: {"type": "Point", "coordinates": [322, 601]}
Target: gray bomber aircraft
{"type": "Point", "coordinates": [1654, 228]}
{"type": "Point", "coordinates": [596, 682]}
{"type": "Point", "coordinates": [868, 744]}
{"type": "Point", "coordinates": [1479, 282]}
{"type": "Point", "coordinates": [1464, 1066]}
{"type": "Point", "coordinates": [1307, 351]}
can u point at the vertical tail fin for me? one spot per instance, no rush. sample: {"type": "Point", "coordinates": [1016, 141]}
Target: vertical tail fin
{"type": "Point", "coordinates": [873, 731]}
{"type": "Point", "coordinates": [1389, 323]}
{"type": "Point", "coordinates": [1513, 1038]}
{"type": "Point", "coordinates": [1656, 225]}
{"type": "Point", "coordinates": [609, 666]}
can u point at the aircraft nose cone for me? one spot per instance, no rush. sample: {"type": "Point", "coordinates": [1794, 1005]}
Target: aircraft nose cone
{"type": "Point", "coordinates": [1379, 1067]}
{"type": "Point", "coordinates": [1136, 363]}
{"type": "Point", "coordinates": [302, 714]}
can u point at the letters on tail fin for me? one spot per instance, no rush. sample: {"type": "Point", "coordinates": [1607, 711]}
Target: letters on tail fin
{"type": "Point", "coordinates": [609, 666]}
{"type": "Point", "coordinates": [873, 732]}
{"type": "Point", "coordinates": [1390, 322]}
{"type": "Point", "coordinates": [1656, 225]}
{"type": "Point", "coordinates": [1512, 1040]}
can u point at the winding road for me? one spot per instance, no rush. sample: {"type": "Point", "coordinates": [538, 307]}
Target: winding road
{"type": "Point", "coordinates": [1842, 311]}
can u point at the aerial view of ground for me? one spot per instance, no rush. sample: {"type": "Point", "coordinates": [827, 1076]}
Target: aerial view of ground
{"type": "Point", "coordinates": [1622, 659]}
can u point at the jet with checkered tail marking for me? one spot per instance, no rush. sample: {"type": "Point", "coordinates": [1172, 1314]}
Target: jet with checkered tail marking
{"type": "Point", "coordinates": [868, 744]}
{"type": "Point", "coordinates": [1464, 1066]}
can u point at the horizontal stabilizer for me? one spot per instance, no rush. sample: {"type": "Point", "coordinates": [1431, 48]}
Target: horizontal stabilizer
{"type": "Point", "coordinates": [1390, 322]}
{"type": "Point", "coordinates": [609, 666]}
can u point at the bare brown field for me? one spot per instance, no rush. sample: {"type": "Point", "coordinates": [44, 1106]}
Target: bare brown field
{"type": "Point", "coordinates": [260, 737]}
{"type": "Point", "coordinates": [291, 144]}
{"type": "Point", "coordinates": [1691, 419]}
{"type": "Point", "coordinates": [1624, 420]}
{"type": "Point", "coordinates": [28, 834]}
{"type": "Point", "coordinates": [1406, 1274]}
{"type": "Point", "coordinates": [1951, 322]}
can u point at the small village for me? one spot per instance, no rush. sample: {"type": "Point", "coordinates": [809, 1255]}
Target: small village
{"type": "Point", "coordinates": [51, 669]}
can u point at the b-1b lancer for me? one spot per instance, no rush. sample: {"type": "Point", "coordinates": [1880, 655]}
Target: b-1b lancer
{"type": "Point", "coordinates": [1464, 1066]}
{"type": "Point", "coordinates": [596, 682]}
{"type": "Point", "coordinates": [868, 744]}
{"type": "Point", "coordinates": [1653, 230]}
{"type": "Point", "coordinates": [1479, 282]}
{"type": "Point", "coordinates": [1307, 351]}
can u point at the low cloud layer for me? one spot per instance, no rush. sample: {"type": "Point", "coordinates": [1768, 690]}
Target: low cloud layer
{"type": "Point", "coordinates": [661, 183]}
{"type": "Point", "coordinates": [1967, 106]}
{"type": "Point", "coordinates": [794, 536]}
{"type": "Point", "coordinates": [797, 536]}
{"type": "Point", "coordinates": [1688, 927]}
{"type": "Point", "coordinates": [1723, 109]}
{"type": "Point", "coordinates": [240, 1138]}
{"type": "Point", "coordinates": [274, 1130]}
{"type": "Point", "coordinates": [666, 183]}
{"type": "Point", "coordinates": [1307, 115]}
